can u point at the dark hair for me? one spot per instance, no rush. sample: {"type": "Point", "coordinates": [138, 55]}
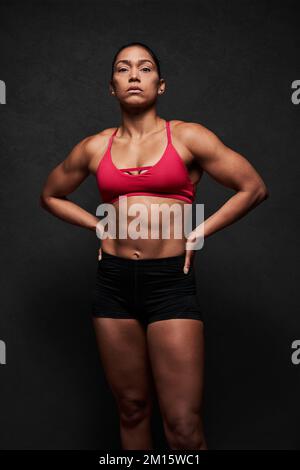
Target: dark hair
{"type": "Point", "coordinates": [153, 55]}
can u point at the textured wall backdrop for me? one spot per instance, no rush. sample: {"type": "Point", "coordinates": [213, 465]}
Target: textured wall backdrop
{"type": "Point", "coordinates": [229, 65]}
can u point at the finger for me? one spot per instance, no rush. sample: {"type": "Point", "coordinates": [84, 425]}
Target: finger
{"type": "Point", "coordinates": [100, 254]}
{"type": "Point", "coordinates": [187, 262]}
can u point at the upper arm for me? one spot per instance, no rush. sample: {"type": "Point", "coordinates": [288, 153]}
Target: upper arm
{"type": "Point", "coordinates": [225, 165]}
{"type": "Point", "coordinates": [70, 173]}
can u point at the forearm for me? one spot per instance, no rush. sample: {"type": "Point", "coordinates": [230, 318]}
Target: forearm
{"type": "Point", "coordinates": [69, 212]}
{"type": "Point", "coordinates": [235, 208]}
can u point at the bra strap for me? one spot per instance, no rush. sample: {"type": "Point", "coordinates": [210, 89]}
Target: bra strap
{"type": "Point", "coordinates": [111, 138]}
{"type": "Point", "coordinates": [168, 132]}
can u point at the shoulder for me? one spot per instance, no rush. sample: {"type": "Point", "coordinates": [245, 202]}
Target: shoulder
{"type": "Point", "coordinates": [195, 136]}
{"type": "Point", "coordinates": [87, 150]}
{"type": "Point", "coordinates": [94, 143]}
{"type": "Point", "coordinates": [191, 130]}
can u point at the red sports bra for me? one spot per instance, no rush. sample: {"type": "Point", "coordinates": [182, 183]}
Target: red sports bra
{"type": "Point", "coordinates": [168, 177]}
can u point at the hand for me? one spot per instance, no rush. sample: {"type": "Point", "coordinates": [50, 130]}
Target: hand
{"type": "Point", "coordinates": [189, 260]}
{"type": "Point", "coordinates": [190, 253]}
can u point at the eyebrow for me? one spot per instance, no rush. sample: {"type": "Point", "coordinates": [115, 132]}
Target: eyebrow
{"type": "Point", "coordinates": [129, 61]}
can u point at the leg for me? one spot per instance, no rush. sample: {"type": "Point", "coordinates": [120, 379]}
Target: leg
{"type": "Point", "coordinates": [176, 350]}
{"type": "Point", "coordinates": [123, 352]}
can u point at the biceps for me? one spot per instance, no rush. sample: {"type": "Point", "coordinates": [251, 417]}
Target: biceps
{"type": "Point", "coordinates": [63, 181]}
{"type": "Point", "coordinates": [230, 168]}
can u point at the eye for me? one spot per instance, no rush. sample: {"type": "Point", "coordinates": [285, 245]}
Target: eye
{"type": "Point", "coordinates": [123, 68]}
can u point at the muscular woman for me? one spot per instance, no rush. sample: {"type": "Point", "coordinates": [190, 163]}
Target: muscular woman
{"type": "Point", "coordinates": [148, 324]}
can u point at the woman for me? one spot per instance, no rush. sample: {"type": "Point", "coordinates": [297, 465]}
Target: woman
{"type": "Point", "coordinates": [148, 324]}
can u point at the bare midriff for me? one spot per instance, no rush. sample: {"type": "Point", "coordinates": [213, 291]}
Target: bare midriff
{"type": "Point", "coordinates": [156, 244]}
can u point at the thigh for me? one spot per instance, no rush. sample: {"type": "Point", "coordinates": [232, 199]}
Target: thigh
{"type": "Point", "coordinates": [176, 351]}
{"type": "Point", "coordinates": [124, 356]}
{"type": "Point", "coordinates": [168, 293]}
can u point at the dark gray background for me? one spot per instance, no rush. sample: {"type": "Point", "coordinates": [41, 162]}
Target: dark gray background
{"type": "Point", "coordinates": [227, 65]}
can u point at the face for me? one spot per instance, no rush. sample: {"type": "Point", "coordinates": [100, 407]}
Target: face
{"type": "Point", "coordinates": [135, 67]}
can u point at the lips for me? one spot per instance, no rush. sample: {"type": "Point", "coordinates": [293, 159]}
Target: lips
{"type": "Point", "coordinates": [134, 88]}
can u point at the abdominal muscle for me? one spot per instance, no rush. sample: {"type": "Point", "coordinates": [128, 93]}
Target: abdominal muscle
{"type": "Point", "coordinates": [154, 245]}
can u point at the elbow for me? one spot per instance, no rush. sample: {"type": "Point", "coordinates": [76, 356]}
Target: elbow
{"type": "Point", "coordinates": [44, 202]}
{"type": "Point", "coordinates": [262, 193]}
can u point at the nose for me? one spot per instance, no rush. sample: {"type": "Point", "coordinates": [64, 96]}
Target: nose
{"type": "Point", "coordinates": [134, 74]}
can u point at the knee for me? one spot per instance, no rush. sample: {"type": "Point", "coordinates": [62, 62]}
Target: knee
{"type": "Point", "coordinates": [185, 432]}
{"type": "Point", "coordinates": [134, 410]}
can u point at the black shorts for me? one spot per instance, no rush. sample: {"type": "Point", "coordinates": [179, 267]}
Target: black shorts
{"type": "Point", "coordinates": [145, 289]}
